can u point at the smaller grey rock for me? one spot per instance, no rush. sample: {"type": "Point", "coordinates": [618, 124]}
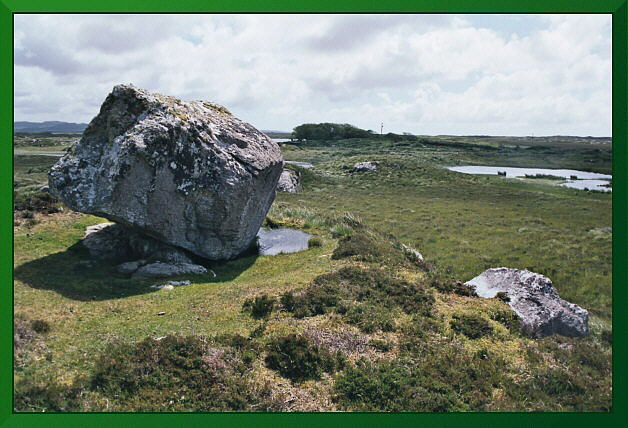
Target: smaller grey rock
{"type": "Point", "coordinates": [289, 181]}
{"type": "Point", "coordinates": [601, 230]}
{"type": "Point", "coordinates": [86, 264]}
{"type": "Point", "coordinates": [365, 166]}
{"type": "Point", "coordinates": [541, 310]}
{"type": "Point", "coordinates": [44, 189]}
{"type": "Point", "coordinates": [161, 270]}
{"type": "Point", "coordinates": [163, 287]}
{"type": "Point", "coordinates": [130, 267]}
{"type": "Point", "coordinates": [106, 241]}
{"type": "Point", "coordinates": [170, 285]}
{"type": "Point", "coordinates": [170, 255]}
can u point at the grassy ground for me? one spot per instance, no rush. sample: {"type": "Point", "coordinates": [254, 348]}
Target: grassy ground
{"type": "Point", "coordinates": [463, 224]}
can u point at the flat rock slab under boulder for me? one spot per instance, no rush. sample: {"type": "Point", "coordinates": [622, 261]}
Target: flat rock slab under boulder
{"type": "Point", "coordinates": [142, 256]}
{"type": "Point", "coordinates": [289, 181]}
{"type": "Point", "coordinates": [535, 300]}
{"type": "Point", "coordinates": [110, 241]}
{"type": "Point", "coordinates": [365, 166]}
{"type": "Point", "coordinates": [188, 174]}
{"type": "Point", "coordinates": [163, 270]}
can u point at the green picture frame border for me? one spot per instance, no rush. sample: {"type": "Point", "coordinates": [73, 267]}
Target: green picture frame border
{"type": "Point", "coordinates": [618, 9]}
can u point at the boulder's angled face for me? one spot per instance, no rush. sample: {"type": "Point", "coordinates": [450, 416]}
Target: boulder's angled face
{"type": "Point", "coordinates": [187, 173]}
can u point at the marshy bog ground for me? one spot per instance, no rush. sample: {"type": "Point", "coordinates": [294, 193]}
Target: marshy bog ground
{"type": "Point", "coordinates": [367, 327]}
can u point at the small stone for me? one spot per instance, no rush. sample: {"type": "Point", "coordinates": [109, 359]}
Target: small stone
{"type": "Point", "coordinates": [162, 287]}
{"type": "Point", "coordinates": [128, 267]}
{"type": "Point", "coordinates": [365, 166]}
{"type": "Point", "coordinates": [86, 264]}
{"type": "Point", "coordinates": [161, 313]}
{"type": "Point", "coordinates": [412, 251]}
{"type": "Point", "coordinates": [602, 230]}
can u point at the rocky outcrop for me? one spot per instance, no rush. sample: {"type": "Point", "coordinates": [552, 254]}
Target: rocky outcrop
{"type": "Point", "coordinates": [188, 174]}
{"type": "Point", "coordinates": [289, 181]}
{"type": "Point", "coordinates": [365, 166]}
{"type": "Point", "coordinates": [531, 295]}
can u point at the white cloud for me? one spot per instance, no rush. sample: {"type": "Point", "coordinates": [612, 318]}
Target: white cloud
{"type": "Point", "coordinates": [426, 74]}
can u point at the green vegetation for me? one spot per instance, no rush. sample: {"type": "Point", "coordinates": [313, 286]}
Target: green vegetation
{"type": "Point", "coordinates": [36, 201]}
{"type": "Point", "coordinates": [545, 176]}
{"type": "Point", "coordinates": [328, 131]}
{"type": "Point", "coordinates": [396, 386]}
{"type": "Point", "coordinates": [356, 322]}
{"type": "Point", "coordinates": [371, 288]}
{"type": "Point", "coordinates": [259, 307]}
{"type": "Point", "coordinates": [471, 325]}
{"type": "Point", "coordinates": [297, 359]}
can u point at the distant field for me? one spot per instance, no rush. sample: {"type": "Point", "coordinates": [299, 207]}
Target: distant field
{"type": "Point", "coordinates": [558, 141]}
{"type": "Point", "coordinates": [468, 223]}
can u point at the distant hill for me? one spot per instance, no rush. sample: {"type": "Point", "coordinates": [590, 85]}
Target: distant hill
{"type": "Point", "coordinates": [50, 126]}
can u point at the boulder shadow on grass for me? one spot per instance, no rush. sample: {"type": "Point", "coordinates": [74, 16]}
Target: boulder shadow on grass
{"type": "Point", "coordinates": [73, 274]}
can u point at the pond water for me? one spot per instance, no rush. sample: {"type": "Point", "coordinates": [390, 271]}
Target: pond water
{"type": "Point", "coordinates": [585, 179]}
{"type": "Point", "coordinates": [27, 153]}
{"type": "Point", "coordinates": [588, 184]}
{"type": "Point", "coordinates": [305, 165]}
{"type": "Point", "coordinates": [281, 140]}
{"type": "Point", "coordinates": [277, 241]}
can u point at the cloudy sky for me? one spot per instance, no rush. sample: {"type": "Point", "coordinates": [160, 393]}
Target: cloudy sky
{"type": "Point", "coordinates": [425, 74]}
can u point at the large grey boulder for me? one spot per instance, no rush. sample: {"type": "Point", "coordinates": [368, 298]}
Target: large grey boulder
{"type": "Point", "coordinates": [189, 174]}
{"type": "Point", "coordinates": [535, 300]}
{"type": "Point", "coordinates": [289, 181]}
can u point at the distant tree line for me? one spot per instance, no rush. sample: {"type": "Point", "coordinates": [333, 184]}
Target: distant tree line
{"type": "Point", "coordinates": [328, 131]}
{"type": "Point", "coordinates": [341, 131]}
